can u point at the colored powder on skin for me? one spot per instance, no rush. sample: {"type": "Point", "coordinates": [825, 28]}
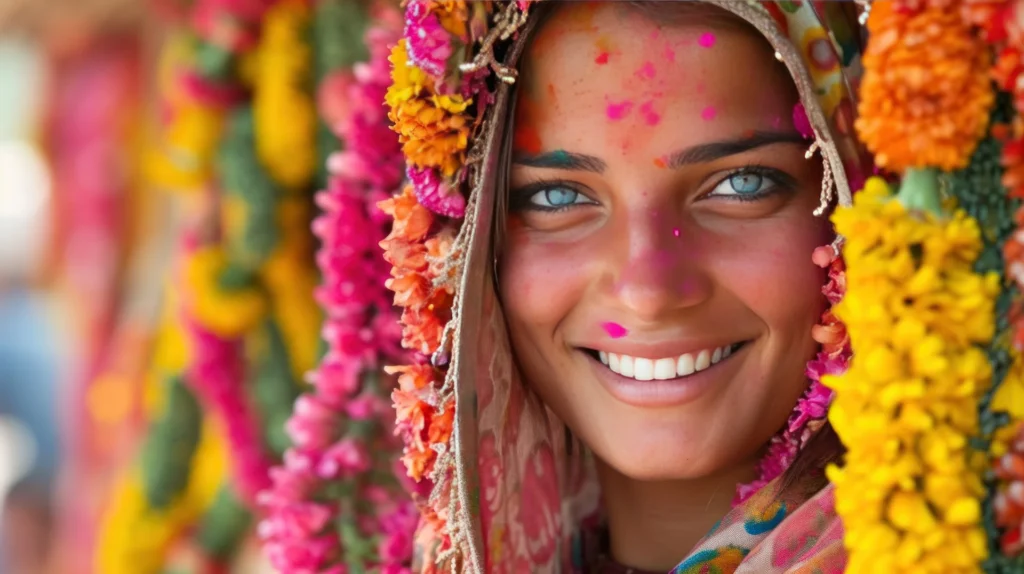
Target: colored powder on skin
{"type": "Point", "coordinates": [706, 40]}
{"type": "Point", "coordinates": [669, 54]}
{"type": "Point", "coordinates": [618, 111]}
{"type": "Point", "coordinates": [801, 122]}
{"type": "Point", "coordinates": [651, 117]}
{"type": "Point", "coordinates": [659, 162]}
{"type": "Point", "coordinates": [601, 59]}
{"type": "Point", "coordinates": [708, 113]}
{"type": "Point", "coordinates": [675, 232]}
{"type": "Point", "coordinates": [527, 140]}
{"type": "Point", "coordinates": [614, 330]}
{"type": "Point", "coordinates": [646, 72]}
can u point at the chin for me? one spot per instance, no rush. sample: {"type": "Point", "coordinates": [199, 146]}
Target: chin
{"type": "Point", "coordinates": [647, 446]}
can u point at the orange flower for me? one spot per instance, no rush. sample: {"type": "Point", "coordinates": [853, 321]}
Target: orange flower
{"type": "Point", "coordinates": [926, 94]}
{"type": "Point", "coordinates": [432, 128]}
{"type": "Point", "coordinates": [441, 425]}
{"type": "Point", "coordinates": [413, 377]}
{"type": "Point", "coordinates": [412, 220]}
{"type": "Point", "coordinates": [422, 325]}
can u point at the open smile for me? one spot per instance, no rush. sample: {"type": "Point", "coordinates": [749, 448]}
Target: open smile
{"type": "Point", "coordinates": [668, 381]}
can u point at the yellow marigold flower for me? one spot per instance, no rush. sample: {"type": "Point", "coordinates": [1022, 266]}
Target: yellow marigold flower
{"type": "Point", "coordinates": [226, 313]}
{"type": "Point", "coordinates": [285, 113]}
{"type": "Point", "coordinates": [183, 160]}
{"type": "Point", "coordinates": [432, 128]}
{"type": "Point", "coordinates": [926, 92]}
{"type": "Point", "coordinates": [916, 312]}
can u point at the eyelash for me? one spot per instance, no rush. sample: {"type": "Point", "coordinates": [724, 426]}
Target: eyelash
{"type": "Point", "coordinates": [519, 199]}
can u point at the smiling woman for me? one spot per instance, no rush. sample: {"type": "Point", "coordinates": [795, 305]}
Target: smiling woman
{"type": "Point", "coordinates": [635, 347]}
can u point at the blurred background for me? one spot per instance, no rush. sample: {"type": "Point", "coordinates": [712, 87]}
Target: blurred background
{"type": "Point", "coordinates": [76, 313]}
{"type": "Point", "coordinates": [127, 146]}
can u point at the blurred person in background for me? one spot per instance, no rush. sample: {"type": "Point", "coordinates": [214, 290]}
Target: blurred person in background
{"type": "Point", "coordinates": [30, 350]}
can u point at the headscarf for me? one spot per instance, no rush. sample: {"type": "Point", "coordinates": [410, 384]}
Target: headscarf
{"type": "Point", "coordinates": [510, 492]}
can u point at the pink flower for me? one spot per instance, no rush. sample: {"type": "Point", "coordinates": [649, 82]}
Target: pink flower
{"type": "Point", "coordinates": [334, 97]}
{"type": "Point", "coordinates": [344, 458]}
{"type": "Point", "coordinates": [313, 423]}
{"type": "Point", "coordinates": [428, 43]}
{"type": "Point", "coordinates": [435, 195]}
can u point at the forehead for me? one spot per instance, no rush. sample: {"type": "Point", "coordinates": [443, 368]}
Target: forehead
{"type": "Point", "coordinates": [612, 68]}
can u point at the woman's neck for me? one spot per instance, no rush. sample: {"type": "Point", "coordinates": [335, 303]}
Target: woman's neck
{"type": "Point", "coordinates": [653, 524]}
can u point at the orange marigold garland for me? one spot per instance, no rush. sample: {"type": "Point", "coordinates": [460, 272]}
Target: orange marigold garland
{"type": "Point", "coordinates": [924, 99]}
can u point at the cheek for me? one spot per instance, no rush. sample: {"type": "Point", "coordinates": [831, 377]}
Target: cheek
{"type": "Point", "coordinates": [541, 283]}
{"type": "Point", "coordinates": [772, 272]}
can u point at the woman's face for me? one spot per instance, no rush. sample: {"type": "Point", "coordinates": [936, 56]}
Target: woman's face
{"type": "Point", "coordinates": [657, 273]}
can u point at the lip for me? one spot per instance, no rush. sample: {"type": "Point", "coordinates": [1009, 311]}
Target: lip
{"type": "Point", "coordinates": [664, 393]}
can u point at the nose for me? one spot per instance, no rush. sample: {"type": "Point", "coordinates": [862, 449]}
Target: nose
{"type": "Point", "coordinates": [660, 268]}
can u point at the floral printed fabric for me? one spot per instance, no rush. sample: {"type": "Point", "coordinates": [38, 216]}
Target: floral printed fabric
{"type": "Point", "coordinates": [771, 534]}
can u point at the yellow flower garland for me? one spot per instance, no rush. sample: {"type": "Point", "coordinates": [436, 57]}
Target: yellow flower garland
{"type": "Point", "coordinates": [228, 314]}
{"type": "Point", "coordinates": [135, 538]}
{"type": "Point", "coordinates": [909, 493]}
{"type": "Point", "coordinates": [291, 277]}
{"type": "Point", "coordinates": [286, 120]}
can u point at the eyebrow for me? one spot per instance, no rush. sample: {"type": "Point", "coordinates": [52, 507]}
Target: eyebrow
{"type": "Point", "coordinates": [701, 153]}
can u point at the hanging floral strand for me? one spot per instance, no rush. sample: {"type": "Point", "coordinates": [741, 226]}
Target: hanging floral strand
{"type": "Point", "coordinates": [333, 479]}
{"type": "Point", "coordinates": [919, 316]}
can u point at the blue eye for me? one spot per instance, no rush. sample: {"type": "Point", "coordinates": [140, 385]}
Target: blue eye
{"type": "Point", "coordinates": [745, 184]}
{"type": "Point", "coordinates": [557, 198]}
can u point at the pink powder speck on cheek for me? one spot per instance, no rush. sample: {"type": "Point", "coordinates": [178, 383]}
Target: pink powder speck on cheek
{"type": "Point", "coordinates": [706, 40]}
{"type": "Point", "coordinates": [614, 330]}
{"type": "Point", "coordinates": [651, 117]}
{"type": "Point", "coordinates": [675, 232]}
{"type": "Point", "coordinates": [601, 58]}
{"type": "Point", "coordinates": [618, 111]}
{"type": "Point", "coordinates": [708, 113]}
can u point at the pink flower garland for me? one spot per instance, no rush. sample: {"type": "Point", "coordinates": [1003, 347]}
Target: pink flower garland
{"type": "Point", "coordinates": [812, 408]}
{"type": "Point", "coordinates": [341, 430]}
{"type": "Point", "coordinates": [216, 374]}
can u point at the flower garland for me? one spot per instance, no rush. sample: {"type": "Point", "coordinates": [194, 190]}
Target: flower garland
{"type": "Point", "coordinates": [812, 407]}
{"type": "Point", "coordinates": [286, 118]}
{"type": "Point", "coordinates": [327, 484]}
{"type": "Point", "coordinates": [925, 101]}
{"type": "Point", "coordinates": [909, 491]}
{"type": "Point", "coordinates": [918, 314]}
{"type": "Point", "coordinates": [436, 100]}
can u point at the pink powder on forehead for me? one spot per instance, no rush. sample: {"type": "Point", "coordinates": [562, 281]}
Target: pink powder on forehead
{"type": "Point", "coordinates": [614, 330]}
{"type": "Point", "coordinates": [669, 54]}
{"type": "Point", "coordinates": [708, 113]}
{"type": "Point", "coordinates": [618, 111]}
{"type": "Point", "coordinates": [801, 122]}
{"type": "Point", "coordinates": [646, 71]}
{"type": "Point", "coordinates": [651, 117]}
{"type": "Point", "coordinates": [706, 40]}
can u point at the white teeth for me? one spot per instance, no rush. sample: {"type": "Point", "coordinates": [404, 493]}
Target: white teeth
{"type": "Point", "coordinates": [684, 366]}
{"type": "Point", "coordinates": [702, 361]}
{"type": "Point", "coordinates": [665, 369]}
{"type": "Point", "coordinates": [643, 369]}
{"type": "Point", "coordinates": [626, 366]}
